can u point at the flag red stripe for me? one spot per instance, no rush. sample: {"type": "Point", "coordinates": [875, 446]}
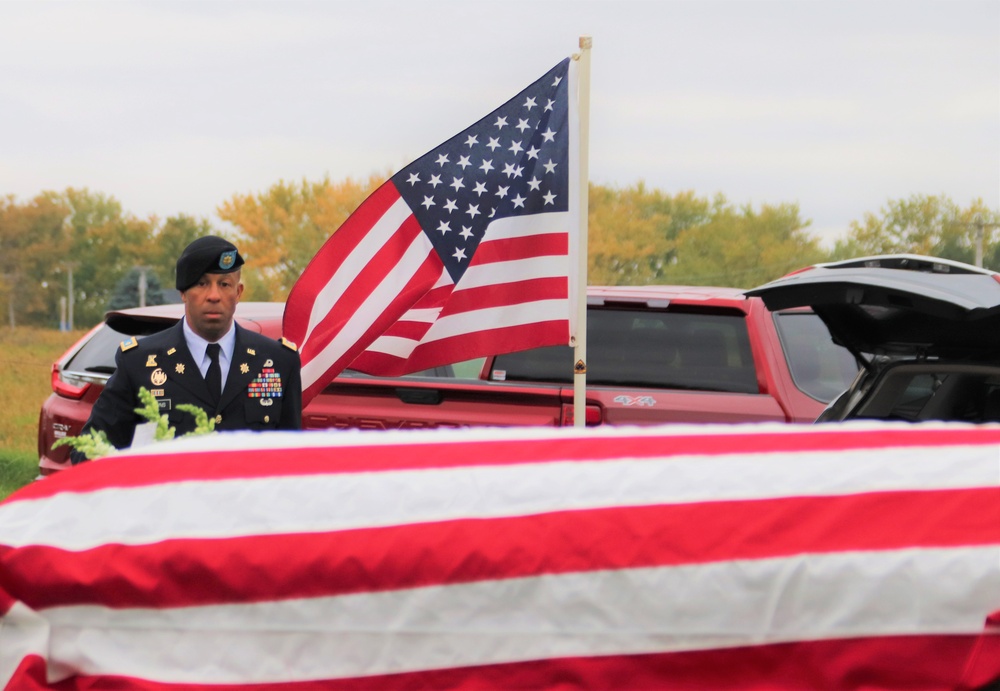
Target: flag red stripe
{"type": "Point", "coordinates": [259, 568]}
{"type": "Point", "coordinates": [500, 340]}
{"type": "Point", "coordinates": [514, 248]}
{"type": "Point", "coordinates": [486, 297]}
{"type": "Point", "coordinates": [329, 259]}
{"type": "Point", "coordinates": [932, 663]}
{"type": "Point", "coordinates": [313, 453]}
{"type": "Point", "coordinates": [411, 330]}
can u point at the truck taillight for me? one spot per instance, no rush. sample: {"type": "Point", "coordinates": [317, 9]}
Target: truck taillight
{"type": "Point", "coordinates": [592, 415]}
{"type": "Point", "coordinates": [65, 389]}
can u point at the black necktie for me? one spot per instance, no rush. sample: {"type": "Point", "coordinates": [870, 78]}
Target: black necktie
{"type": "Point", "coordinates": [214, 375]}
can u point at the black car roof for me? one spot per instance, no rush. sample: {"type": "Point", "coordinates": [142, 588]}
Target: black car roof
{"type": "Point", "coordinates": [899, 304]}
{"type": "Point", "coordinates": [142, 321]}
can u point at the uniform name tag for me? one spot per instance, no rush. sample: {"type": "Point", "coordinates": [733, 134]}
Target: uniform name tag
{"type": "Point", "coordinates": [164, 403]}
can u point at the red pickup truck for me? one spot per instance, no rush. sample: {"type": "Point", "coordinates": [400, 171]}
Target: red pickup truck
{"type": "Point", "coordinates": [656, 354]}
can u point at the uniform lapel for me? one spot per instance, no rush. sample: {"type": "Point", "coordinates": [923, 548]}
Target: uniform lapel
{"type": "Point", "coordinates": [182, 370]}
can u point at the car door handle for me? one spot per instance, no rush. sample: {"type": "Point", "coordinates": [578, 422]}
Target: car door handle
{"type": "Point", "coordinates": [419, 396]}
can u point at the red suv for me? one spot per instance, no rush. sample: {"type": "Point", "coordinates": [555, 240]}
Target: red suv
{"type": "Point", "coordinates": [656, 354]}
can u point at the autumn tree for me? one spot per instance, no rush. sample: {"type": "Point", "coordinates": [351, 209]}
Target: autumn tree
{"type": "Point", "coordinates": [742, 247]}
{"type": "Point", "coordinates": [282, 229]}
{"type": "Point", "coordinates": [632, 232]}
{"type": "Point", "coordinates": [928, 225]}
{"type": "Point", "coordinates": [104, 244]}
{"type": "Point", "coordinates": [31, 242]}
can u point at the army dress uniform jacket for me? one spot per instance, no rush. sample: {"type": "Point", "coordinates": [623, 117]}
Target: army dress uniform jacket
{"type": "Point", "coordinates": [263, 388]}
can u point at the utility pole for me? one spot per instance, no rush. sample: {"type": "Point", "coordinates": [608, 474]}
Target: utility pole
{"type": "Point", "coordinates": [69, 293]}
{"type": "Point", "coordinates": [980, 235]}
{"type": "Point", "coordinates": [142, 286]}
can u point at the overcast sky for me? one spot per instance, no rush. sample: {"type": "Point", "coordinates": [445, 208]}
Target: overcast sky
{"type": "Point", "coordinates": [174, 107]}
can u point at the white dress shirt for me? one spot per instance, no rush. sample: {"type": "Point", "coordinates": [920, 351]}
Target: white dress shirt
{"type": "Point", "coordinates": [198, 345]}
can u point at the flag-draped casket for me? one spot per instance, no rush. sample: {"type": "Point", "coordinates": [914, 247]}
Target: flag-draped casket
{"type": "Point", "coordinates": [756, 557]}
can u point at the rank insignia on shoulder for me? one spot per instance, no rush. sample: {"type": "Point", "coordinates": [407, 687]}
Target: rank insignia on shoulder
{"type": "Point", "coordinates": [288, 344]}
{"type": "Point", "coordinates": [129, 344]}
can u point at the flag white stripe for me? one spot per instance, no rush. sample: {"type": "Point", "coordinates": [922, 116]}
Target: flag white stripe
{"type": "Point", "coordinates": [23, 632]}
{"type": "Point", "coordinates": [549, 223]}
{"type": "Point", "coordinates": [425, 316]}
{"type": "Point", "coordinates": [397, 346]}
{"type": "Point", "coordinates": [359, 258]}
{"type": "Point", "coordinates": [628, 611]}
{"type": "Point", "coordinates": [370, 310]}
{"type": "Point", "coordinates": [500, 273]}
{"type": "Point", "coordinates": [415, 496]}
{"type": "Point", "coordinates": [504, 316]}
{"type": "Point", "coordinates": [495, 318]}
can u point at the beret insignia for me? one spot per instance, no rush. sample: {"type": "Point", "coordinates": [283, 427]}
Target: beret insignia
{"type": "Point", "coordinates": [288, 344]}
{"type": "Point", "coordinates": [227, 259]}
{"type": "Point", "coordinates": [129, 344]}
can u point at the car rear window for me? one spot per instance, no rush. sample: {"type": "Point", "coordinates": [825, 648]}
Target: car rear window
{"type": "Point", "coordinates": [820, 368]}
{"type": "Point", "coordinates": [640, 348]}
{"type": "Point", "coordinates": [98, 353]}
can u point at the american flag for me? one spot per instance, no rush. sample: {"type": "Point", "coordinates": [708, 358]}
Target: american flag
{"type": "Point", "coordinates": [757, 557]}
{"type": "Point", "coordinates": [465, 252]}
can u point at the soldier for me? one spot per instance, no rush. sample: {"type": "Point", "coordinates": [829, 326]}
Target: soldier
{"type": "Point", "coordinates": [241, 378]}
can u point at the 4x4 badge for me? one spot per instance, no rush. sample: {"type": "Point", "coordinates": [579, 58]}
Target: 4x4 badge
{"type": "Point", "coordinates": [643, 401]}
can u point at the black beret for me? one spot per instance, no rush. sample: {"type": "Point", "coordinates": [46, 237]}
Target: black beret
{"type": "Point", "coordinates": [207, 255]}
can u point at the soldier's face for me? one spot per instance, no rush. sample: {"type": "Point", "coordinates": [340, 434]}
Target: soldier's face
{"type": "Point", "coordinates": [211, 303]}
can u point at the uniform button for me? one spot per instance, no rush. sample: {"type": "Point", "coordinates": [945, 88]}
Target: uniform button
{"type": "Point", "coordinates": [267, 419]}
{"type": "Point", "coordinates": [218, 419]}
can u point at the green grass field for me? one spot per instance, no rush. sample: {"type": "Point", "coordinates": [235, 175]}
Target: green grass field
{"type": "Point", "coordinates": [26, 356]}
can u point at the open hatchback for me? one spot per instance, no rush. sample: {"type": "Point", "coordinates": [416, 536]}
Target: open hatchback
{"type": "Point", "coordinates": [925, 330]}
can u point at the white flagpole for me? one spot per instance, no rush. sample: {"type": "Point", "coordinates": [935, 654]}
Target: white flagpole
{"type": "Point", "coordinates": [580, 342]}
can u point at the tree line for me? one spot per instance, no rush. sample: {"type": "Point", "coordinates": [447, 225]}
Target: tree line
{"type": "Point", "coordinates": [80, 251]}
